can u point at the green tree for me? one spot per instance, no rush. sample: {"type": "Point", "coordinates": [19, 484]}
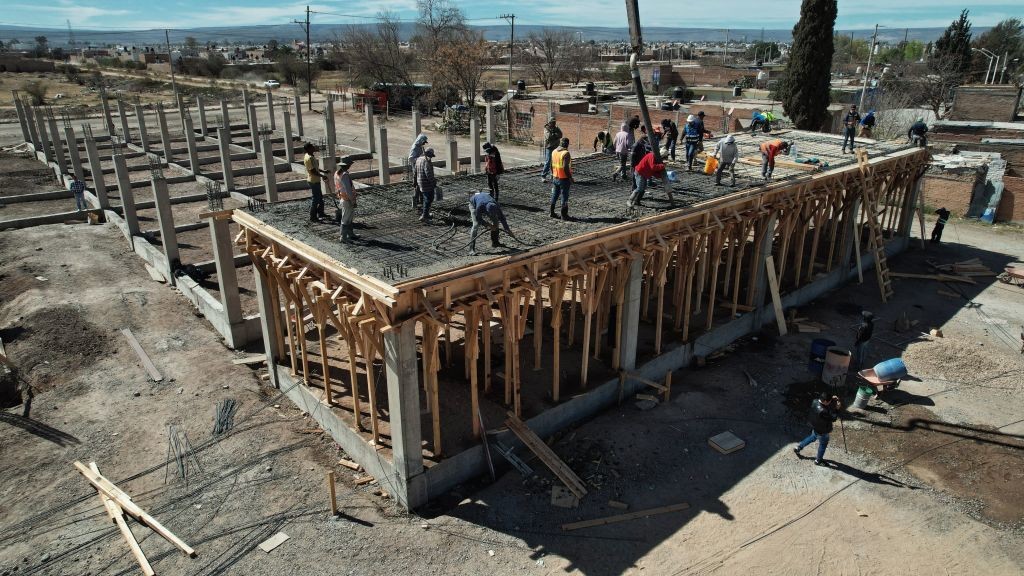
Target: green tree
{"type": "Point", "coordinates": [42, 47]}
{"type": "Point", "coordinates": [1005, 39]}
{"type": "Point", "coordinates": [955, 44]}
{"type": "Point", "coordinates": [805, 89]}
{"type": "Point", "coordinates": [763, 51]}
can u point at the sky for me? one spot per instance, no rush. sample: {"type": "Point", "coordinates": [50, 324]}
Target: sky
{"type": "Point", "coordinates": [853, 14]}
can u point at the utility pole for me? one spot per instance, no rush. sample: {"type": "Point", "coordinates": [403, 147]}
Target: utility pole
{"type": "Point", "coordinates": [511, 19]}
{"type": "Point", "coordinates": [309, 49]}
{"type": "Point", "coordinates": [170, 62]}
{"type": "Point", "coordinates": [871, 52]}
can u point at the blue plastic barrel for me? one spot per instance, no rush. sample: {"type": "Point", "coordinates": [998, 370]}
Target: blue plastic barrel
{"type": "Point", "coordinates": [892, 369]}
{"type": "Point", "coordinates": [819, 347]}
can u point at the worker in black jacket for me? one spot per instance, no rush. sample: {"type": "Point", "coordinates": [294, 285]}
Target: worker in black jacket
{"type": "Point", "coordinates": [864, 331]}
{"type": "Point", "coordinates": [824, 411]}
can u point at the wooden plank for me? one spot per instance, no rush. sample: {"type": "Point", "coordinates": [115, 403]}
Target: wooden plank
{"type": "Point", "coordinates": [132, 509]}
{"type": "Point", "coordinates": [363, 480]}
{"type": "Point", "coordinates": [117, 516]}
{"type": "Point", "coordinates": [154, 374]}
{"type": "Point", "coordinates": [348, 464]}
{"type": "Point", "coordinates": [331, 493]}
{"type": "Point", "coordinates": [546, 455]}
{"type": "Point", "coordinates": [624, 517]}
{"type": "Point", "coordinates": [259, 358]}
{"type": "Point", "coordinates": [773, 286]}
{"type": "Point", "coordinates": [273, 542]}
{"type": "Point", "coordinates": [936, 277]}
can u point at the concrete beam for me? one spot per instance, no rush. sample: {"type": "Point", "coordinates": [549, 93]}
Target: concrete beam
{"type": "Point", "coordinates": [368, 109]}
{"type": "Point", "coordinates": [269, 176]}
{"type": "Point", "coordinates": [190, 143]}
{"type": "Point", "coordinates": [108, 121]}
{"type": "Point", "coordinates": [225, 122]}
{"type": "Point", "coordinates": [254, 129]}
{"type": "Point", "coordinates": [270, 110]}
{"type": "Point", "coordinates": [224, 139]}
{"type": "Point", "coordinates": [30, 121]}
{"type": "Point", "coordinates": [202, 116]}
{"type": "Point", "coordinates": [383, 174]}
{"type": "Point", "coordinates": [474, 138]}
{"type": "Point", "coordinates": [180, 102]}
{"type": "Point", "coordinates": [404, 411]}
{"type": "Point", "coordinates": [125, 132]}
{"type": "Point", "coordinates": [245, 106]}
{"type": "Point", "coordinates": [165, 135]}
{"type": "Point", "coordinates": [289, 144]}
{"type": "Point", "coordinates": [58, 148]}
{"type": "Point", "coordinates": [44, 139]}
{"type": "Point", "coordinates": [124, 186]}
{"type": "Point", "coordinates": [22, 121]}
{"type": "Point", "coordinates": [165, 218]}
{"type": "Point", "coordinates": [99, 187]}
{"type": "Point", "coordinates": [73, 154]}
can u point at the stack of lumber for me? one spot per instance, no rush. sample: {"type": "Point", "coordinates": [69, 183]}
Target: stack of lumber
{"type": "Point", "coordinates": [546, 455]}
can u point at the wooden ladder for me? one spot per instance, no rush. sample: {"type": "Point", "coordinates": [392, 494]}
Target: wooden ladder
{"type": "Point", "coordinates": [876, 241]}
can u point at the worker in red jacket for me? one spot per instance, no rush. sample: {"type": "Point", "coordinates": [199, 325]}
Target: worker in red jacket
{"type": "Point", "coordinates": [769, 150]}
{"type": "Point", "coordinates": [645, 170]}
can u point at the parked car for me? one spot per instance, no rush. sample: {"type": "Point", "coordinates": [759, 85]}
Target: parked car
{"type": "Point", "coordinates": [272, 84]}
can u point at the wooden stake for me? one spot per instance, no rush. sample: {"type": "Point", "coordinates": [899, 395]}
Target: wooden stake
{"type": "Point", "coordinates": [330, 491]}
{"type": "Point", "coordinates": [117, 517]}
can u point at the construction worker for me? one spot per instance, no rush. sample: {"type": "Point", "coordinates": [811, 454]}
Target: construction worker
{"type": "Point", "coordinates": [313, 176]}
{"type": "Point", "coordinates": [640, 149]}
{"type": "Point", "coordinates": [552, 136]}
{"type": "Point", "coordinates": [346, 193]}
{"type": "Point", "coordinates": [760, 121]}
{"type": "Point", "coordinates": [414, 154]}
{"type": "Point", "coordinates": [671, 137]}
{"type": "Point", "coordinates": [426, 181]}
{"type": "Point", "coordinates": [918, 133]}
{"type": "Point", "coordinates": [940, 224]}
{"type": "Point", "coordinates": [692, 135]}
{"type": "Point", "coordinates": [78, 190]}
{"type": "Point", "coordinates": [645, 169]}
{"type": "Point", "coordinates": [561, 172]}
{"type": "Point", "coordinates": [604, 140]}
{"type": "Point", "coordinates": [769, 150]}
{"type": "Point", "coordinates": [867, 124]}
{"type": "Point", "coordinates": [483, 208]}
{"type": "Point", "coordinates": [700, 130]}
{"type": "Point", "coordinates": [727, 153]}
{"type": "Point", "coordinates": [864, 331]}
{"type": "Point", "coordinates": [493, 166]}
{"type": "Point", "coordinates": [824, 411]}
{"type": "Point", "coordinates": [624, 141]}
{"type": "Point", "coordinates": [850, 122]}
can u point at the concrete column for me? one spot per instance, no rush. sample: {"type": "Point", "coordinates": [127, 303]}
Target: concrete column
{"type": "Point", "coordinates": [44, 138]}
{"type": "Point", "coordinates": [416, 123]}
{"type": "Point", "coordinates": [404, 409]}
{"type": "Point", "coordinates": [852, 239]}
{"type": "Point", "coordinates": [631, 315]}
{"type": "Point", "coordinates": [489, 119]}
{"type": "Point", "coordinates": [298, 116]}
{"type": "Point", "coordinates": [107, 119]}
{"type": "Point", "coordinates": [202, 116]}
{"type": "Point", "coordinates": [140, 117]}
{"type": "Point", "coordinates": [58, 147]}
{"type": "Point", "coordinates": [909, 210]}
{"type": "Point", "coordinates": [269, 176]}
{"type": "Point", "coordinates": [73, 154]}
{"type": "Point", "coordinates": [245, 105]}
{"type": "Point", "coordinates": [181, 111]}
{"type": "Point", "coordinates": [227, 279]}
{"type": "Point", "coordinates": [224, 138]}
{"type": "Point", "coordinates": [226, 122]}
{"type": "Point", "coordinates": [453, 156]}
{"type": "Point", "coordinates": [474, 138]}
{"type": "Point", "coordinates": [30, 120]}
{"type": "Point", "coordinates": [269, 316]}
{"type": "Point", "coordinates": [254, 129]}
{"type": "Point", "coordinates": [332, 138]}
{"type": "Point", "coordinates": [383, 175]}
{"type": "Point", "coordinates": [368, 108]}
{"type": "Point", "coordinates": [289, 145]}
{"type": "Point", "coordinates": [190, 143]}
{"type": "Point", "coordinates": [165, 218]}
{"type": "Point", "coordinates": [99, 187]}
{"type": "Point", "coordinates": [124, 186]}
{"type": "Point", "coordinates": [20, 109]}
{"type": "Point", "coordinates": [125, 132]}
{"type": "Point", "coordinates": [270, 110]}
{"type": "Point", "coordinates": [165, 135]}
{"type": "Point", "coordinates": [761, 285]}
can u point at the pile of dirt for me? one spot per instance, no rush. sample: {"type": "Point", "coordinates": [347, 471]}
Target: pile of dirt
{"type": "Point", "coordinates": [53, 341]}
{"type": "Point", "coordinates": [960, 361]}
{"type": "Point", "coordinates": [19, 175]}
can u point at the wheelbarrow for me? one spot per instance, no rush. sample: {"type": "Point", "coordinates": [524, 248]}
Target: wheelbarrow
{"type": "Point", "coordinates": [884, 376]}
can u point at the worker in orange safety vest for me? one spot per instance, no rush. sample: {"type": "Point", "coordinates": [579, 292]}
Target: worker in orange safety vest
{"type": "Point", "coordinates": [561, 177]}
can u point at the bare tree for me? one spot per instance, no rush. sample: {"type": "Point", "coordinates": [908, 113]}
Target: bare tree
{"type": "Point", "coordinates": [375, 53]}
{"type": "Point", "coordinates": [546, 55]}
{"type": "Point", "coordinates": [580, 56]}
{"type": "Point", "coordinates": [441, 34]}
{"type": "Point", "coordinates": [934, 88]}
{"type": "Point", "coordinates": [461, 63]}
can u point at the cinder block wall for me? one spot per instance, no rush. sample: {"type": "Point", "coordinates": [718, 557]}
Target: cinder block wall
{"type": "Point", "coordinates": [1011, 204]}
{"type": "Point", "coordinates": [990, 103]}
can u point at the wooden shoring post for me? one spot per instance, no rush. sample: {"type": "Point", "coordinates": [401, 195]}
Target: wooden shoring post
{"type": "Point", "coordinates": [680, 274]}
{"type": "Point", "coordinates": [289, 317]}
{"type": "Point", "coordinates": [703, 253]}
{"type": "Point", "coordinates": [760, 225]}
{"type": "Point", "coordinates": [575, 280]}
{"type": "Point", "coordinates": [345, 326]}
{"type": "Point", "coordinates": [801, 243]}
{"type": "Point", "coordinates": [505, 309]}
{"type": "Point", "coordinates": [516, 365]}
{"type": "Point", "coordinates": [645, 291]}
{"type": "Point", "coordinates": [300, 333]}
{"type": "Point", "coordinates": [602, 303]}
{"type": "Point", "coordinates": [538, 324]}
{"type": "Point", "coordinates": [745, 229]}
{"type": "Point", "coordinates": [447, 294]}
{"type": "Point", "coordinates": [588, 311]}
{"type": "Point", "coordinates": [664, 255]}
{"type": "Point", "coordinates": [471, 325]}
{"type": "Point", "coordinates": [320, 315]}
{"type": "Point", "coordinates": [486, 328]}
{"type": "Point", "coordinates": [731, 241]}
{"type": "Point", "coordinates": [369, 353]}
{"type": "Point", "coordinates": [522, 311]}
{"type": "Point", "coordinates": [716, 260]}
{"type": "Point", "coordinates": [820, 213]}
{"type": "Point", "coordinates": [556, 292]}
{"type": "Point", "coordinates": [790, 218]}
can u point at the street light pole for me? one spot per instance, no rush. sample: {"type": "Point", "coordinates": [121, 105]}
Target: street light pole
{"type": "Point", "coordinates": [871, 53]}
{"type": "Point", "coordinates": [989, 55]}
{"type": "Point", "coordinates": [511, 18]}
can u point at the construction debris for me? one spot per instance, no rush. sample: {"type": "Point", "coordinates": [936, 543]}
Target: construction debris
{"type": "Point", "coordinates": [224, 418]}
{"type": "Point", "coordinates": [726, 442]}
{"type": "Point", "coordinates": [154, 374]}
{"type": "Point", "coordinates": [257, 359]}
{"type": "Point", "coordinates": [624, 517]}
{"type": "Point", "coordinates": [349, 464]}
{"type": "Point", "coordinates": [273, 542]}
{"type": "Point", "coordinates": [546, 455]}
{"type": "Point", "coordinates": [563, 497]}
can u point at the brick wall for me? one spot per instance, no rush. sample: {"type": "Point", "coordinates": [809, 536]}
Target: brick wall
{"type": "Point", "coordinates": [993, 103]}
{"type": "Point", "coordinates": [950, 189]}
{"type": "Point", "coordinates": [1011, 204]}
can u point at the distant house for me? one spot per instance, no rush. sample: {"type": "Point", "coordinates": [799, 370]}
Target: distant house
{"type": "Point", "coordinates": [17, 62]}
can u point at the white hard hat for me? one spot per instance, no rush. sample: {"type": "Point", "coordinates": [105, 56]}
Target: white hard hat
{"type": "Point", "coordinates": [691, 118]}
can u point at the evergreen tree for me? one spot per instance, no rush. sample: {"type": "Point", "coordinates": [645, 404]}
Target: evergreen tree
{"type": "Point", "coordinates": [805, 91]}
{"type": "Point", "coordinates": [955, 44]}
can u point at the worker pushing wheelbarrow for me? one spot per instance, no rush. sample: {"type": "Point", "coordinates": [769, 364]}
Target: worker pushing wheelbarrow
{"type": "Point", "coordinates": [883, 377]}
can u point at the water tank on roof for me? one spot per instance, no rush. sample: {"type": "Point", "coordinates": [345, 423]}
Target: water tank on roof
{"type": "Point", "coordinates": [590, 88]}
{"type": "Point", "coordinates": [679, 93]}
{"type": "Point", "coordinates": [736, 91]}
{"type": "Point", "coordinates": [521, 85]}
{"type": "Point", "coordinates": [762, 75]}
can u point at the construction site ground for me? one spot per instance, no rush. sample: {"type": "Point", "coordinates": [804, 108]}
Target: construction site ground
{"type": "Point", "coordinates": [929, 481]}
